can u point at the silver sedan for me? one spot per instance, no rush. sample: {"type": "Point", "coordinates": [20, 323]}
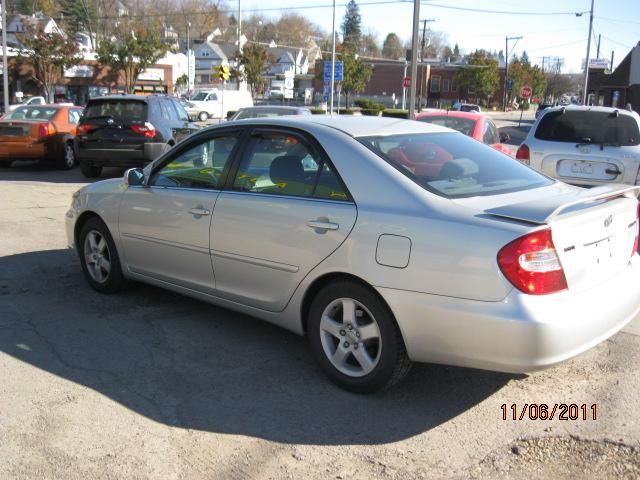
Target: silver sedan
{"type": "Point", "coordinates": [384, 241]}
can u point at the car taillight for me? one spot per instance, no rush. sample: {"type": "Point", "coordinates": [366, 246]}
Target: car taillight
{"type": "Point", "coordinates": [45, 129]}
{"type": "Point", "coordinates": [148, 130]}
{"type": "Point", "coordinates": [532, 265]}
{"type": "Point", "coordinates": [523, 154]}
{"type": "Point", "coordinates": [635, 244]}
{"type": "Point", "coordinates": [85, 128]}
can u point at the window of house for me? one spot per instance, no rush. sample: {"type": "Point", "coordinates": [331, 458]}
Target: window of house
{"type": "Point", "coordinates": [445, 85]}
{"type": "Point", "coordinates": [454, 87]}
{"type": "Point", "coordinates": [435, 83]}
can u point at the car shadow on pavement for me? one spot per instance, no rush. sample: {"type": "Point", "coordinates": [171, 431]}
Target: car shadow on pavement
{"type": "Point", "coordinates": [33, 171]}
{"type": "Point", "coordinates": [192, 365]}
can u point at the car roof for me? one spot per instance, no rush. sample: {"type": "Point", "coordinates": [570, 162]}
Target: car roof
{"type": "Point", "coordinates": [591, 108]}
{"type": "Point", "coordinates": [125, 96]}
{"type": "Point", "coordinates": [453, 113]}
{"type": "Point", "coordinates": [355, 126]}
{"type": "Point", "coordinates": [271, 107]}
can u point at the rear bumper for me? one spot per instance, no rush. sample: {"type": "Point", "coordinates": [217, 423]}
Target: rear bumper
{"type": "Point", "coordinates": [25, 150]}
{"type": "Point", "coordinates": [522, 333]}
{"type": "Point", "coordinates": [121, 157]}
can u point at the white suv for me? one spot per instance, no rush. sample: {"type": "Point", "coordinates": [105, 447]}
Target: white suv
{"type": "Point", "coordinates": [585, 145]}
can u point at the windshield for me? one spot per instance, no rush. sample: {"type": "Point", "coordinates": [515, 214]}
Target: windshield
{"type": "Point", "coordinates": [463, 125]}
{"type": "Point", "coordinates": [116, 109]}
{"type": "Point", "coordinates": [580, 126]}
{"type": "Point", "coordinates": [454, 166]}
{"type": "Point", "coordinates": [200, 96]}
{"type": "Point", "coordinates": [31, 113]}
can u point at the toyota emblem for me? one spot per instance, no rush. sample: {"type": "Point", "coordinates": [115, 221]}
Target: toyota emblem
{"type": "Point", "coordinates": [608, 221]}
{"type": "Point", "coordinates": [110, 121]}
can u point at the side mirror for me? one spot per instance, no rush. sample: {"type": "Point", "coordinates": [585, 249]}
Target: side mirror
{"type": "Point", "coordinates": [133, 177]}
{"type": "Point", "coordinates": [504, 137]}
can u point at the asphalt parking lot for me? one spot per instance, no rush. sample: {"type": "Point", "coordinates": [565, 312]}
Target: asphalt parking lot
{"type": "Point", "coordinates": [148, 384]}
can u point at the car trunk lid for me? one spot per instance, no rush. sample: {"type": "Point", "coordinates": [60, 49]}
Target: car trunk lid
{"type": "Point", "coordinates": [593, 230]}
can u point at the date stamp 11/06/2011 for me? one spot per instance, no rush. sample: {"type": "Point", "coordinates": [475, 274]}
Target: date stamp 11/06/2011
{"type": "Point", "coordinates": [549, 411]}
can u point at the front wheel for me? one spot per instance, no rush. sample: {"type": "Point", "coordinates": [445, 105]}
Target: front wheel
{"type": "Point", "coordinates": [99, 257]}
{"type": "Point", "coordinates": [203, 116]}
{"type": "Point", "coordinates": [355, 338]}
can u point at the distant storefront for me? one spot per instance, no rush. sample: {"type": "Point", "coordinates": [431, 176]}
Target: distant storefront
{"type": "Point", "coordinates": [620, 87]}
{"type": "Point", "coordinates": [89, 80]}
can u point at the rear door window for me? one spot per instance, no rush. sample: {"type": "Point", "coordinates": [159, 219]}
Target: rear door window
{"type": "Point", "coordinates": [453, 165]}
{"type": "Point", "coordinates": [580, 126]}
{"type": "Point", "coordinates": [490, 135]}
{"type": "Point", "coordinates": [462, 125]}
{"type": "Point", "coordinates": [120, 110]}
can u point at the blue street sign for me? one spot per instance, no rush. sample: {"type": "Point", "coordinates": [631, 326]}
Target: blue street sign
{"type": "Point", "coordinates": [509, 84]}
{"type": "Point", "coordinates": [337, 73]}
{"type": "Point", "coordinates": [325, 98]}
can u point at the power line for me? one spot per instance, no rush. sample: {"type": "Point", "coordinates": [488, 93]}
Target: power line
{"type": "Point", "coordinates": [556, 46]}
{"type": "Point", "coordinates": [617, 43]}
{"type": "Point", "coordinates": [502, 12]}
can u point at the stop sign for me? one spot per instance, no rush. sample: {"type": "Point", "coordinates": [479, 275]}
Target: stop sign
{"type": "Point", "coordinates": [406, 82]}
{"type": "Point", "coordinates": [525, 92]}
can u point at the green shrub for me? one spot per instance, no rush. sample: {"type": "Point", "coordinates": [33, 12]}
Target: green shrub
{"type": "Point", "coordinates": [370, 112]}
{"type": "Point", "coordinates": [367, 104]}
{"type": "Point", "coordinates": [347, 111]}
{"type": "Point", "coordinates": [318, 111]}
{"type": "Point", "coordinates": [395, 113]}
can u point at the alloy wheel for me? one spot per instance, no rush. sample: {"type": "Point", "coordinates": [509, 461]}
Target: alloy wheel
{"type": "Point", "coordinates": [96, 256]}
{"type": "Point", "coordinates": [69, 155]}
{"type": "Point", "coordinates": [350, 337]}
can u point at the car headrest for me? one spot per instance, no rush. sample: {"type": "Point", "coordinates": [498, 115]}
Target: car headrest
{"type": "Point", "coordinates": [458, 168]}
{"type": "Point", "coordinates": [287, 168]}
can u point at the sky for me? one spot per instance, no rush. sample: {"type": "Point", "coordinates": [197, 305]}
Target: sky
{"type": "Point", "coordinates": [555, 35]}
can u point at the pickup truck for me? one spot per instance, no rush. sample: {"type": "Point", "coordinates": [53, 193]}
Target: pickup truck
{"type": "Point", "coordinates": [29, 101]}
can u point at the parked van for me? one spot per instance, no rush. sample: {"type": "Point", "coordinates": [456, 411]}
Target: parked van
{"type": "Point", "coordinates": [217, 103]}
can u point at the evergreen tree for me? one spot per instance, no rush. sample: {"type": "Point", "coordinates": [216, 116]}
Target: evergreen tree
{"type": "Point", "coordinates": [352, 27]}
{"type": "Point", "coordinates": [456, 52]}
{"type": "Point", "coordinates": [392, 47]}
{"type": "Point", "coordinates": [524, 58]}
{"type": "Point", "coordinates": [79, 16]}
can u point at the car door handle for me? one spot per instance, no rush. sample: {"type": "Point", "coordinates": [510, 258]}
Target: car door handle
{"type": "Point", "coordinates": [199, 211]}
{"type": "Point", "coordinates": [322, 225]}
{"type": "Point", "coordinates": [612, 171]}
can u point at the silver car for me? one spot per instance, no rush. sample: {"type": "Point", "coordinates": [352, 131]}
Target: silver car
{"type": "Point", "coordinates": [585, 145]}
{"type": "Point", "coordinates": [384, 241]}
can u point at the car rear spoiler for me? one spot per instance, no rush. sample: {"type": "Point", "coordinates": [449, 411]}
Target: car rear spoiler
{"type": "Point", "coordinates": [544, 210]}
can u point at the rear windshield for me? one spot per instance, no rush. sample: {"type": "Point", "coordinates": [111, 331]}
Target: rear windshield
{"type": "Point", "coordinates": [31, 113]}
{"type": "Point", "coordinates": [464, 125]}
{"type": "Point", "coordinates": [454, 166]}
{"type": "Point", "coordinates": [469, 108]}
{"type": "Point", "coordinates": [116, 109]}
{"type": "Point", "coordinates": [579, 126]}
{"type": "Point", "coordinates": [263, 113]}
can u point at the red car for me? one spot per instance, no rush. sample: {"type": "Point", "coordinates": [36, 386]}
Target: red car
{"type": "Point", "coordinates": [475, 125]}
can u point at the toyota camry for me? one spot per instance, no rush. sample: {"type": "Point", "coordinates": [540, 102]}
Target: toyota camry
{"type": "Point", "coordinates": [383, 241]}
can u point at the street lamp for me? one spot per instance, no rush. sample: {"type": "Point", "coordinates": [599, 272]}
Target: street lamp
{"type": "Point", "coordinates": [505, 96]}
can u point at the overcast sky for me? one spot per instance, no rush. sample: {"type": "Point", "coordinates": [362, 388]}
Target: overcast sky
{"type": "Point", "coordinates": [618, 21]}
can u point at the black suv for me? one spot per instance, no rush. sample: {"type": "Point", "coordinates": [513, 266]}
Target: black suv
{"type": "Point", "coordinates": [128, 131]}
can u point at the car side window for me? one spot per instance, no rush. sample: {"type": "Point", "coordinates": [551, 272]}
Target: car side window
{"type": "Point", "coordinates": [180, 111]}
{"type": "Point", "coordinates": [74, 116]}
{"type": "Point", "coordinates": [283, 164]}
{"type": "Point", "coordinates": [200, 166]}
{"type": "Point", "coordinates": [490, 135]}
{"type": "Point", "coordinates": [164, 109]}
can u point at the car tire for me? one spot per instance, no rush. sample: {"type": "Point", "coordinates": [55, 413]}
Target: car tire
{"type": "Point", "coordinates": [68, 160]}
{"type": "Point", "coordinates": [356, 339]}
{"type": "Point", "coordinates": [203, 116]}
{"type": "Point", "coordinates": [90, 171]}
{"type": "Point", "coordinates": [99, 257]}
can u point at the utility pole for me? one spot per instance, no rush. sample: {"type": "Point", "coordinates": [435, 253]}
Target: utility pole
{"type": "Point", "coordinates": [611, 68]}
{"type": "Point", "coordinates": [414, 59]}
{"type": "Point", "coordinates": [586, 63]}
{"type": "Point", "coordinates": [5, 63]}
{"type": "Point", "coordinates": [422, 47]}
{"type": "Point", "coordinates": [239, 26]}
{"type": "Point", "coordinates": [188, 58]}
{"type": "Point", "coordinates": [507, 53]}
{"type": "Point", "coordinates": [598, 50]}
{"type": "Point", "coordinates": [333, 57]}
{"type": "Point", "coordinates": [404, 90]}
